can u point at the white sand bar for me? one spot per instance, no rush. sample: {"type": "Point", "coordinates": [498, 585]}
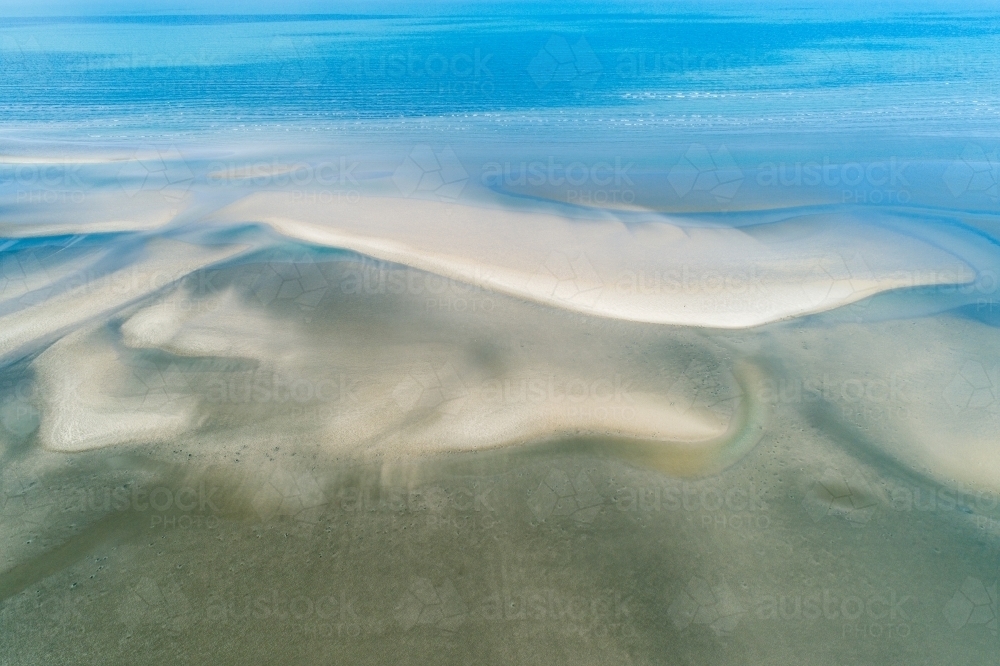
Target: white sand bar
{"type": "Point", "coordinates": [659, 272]}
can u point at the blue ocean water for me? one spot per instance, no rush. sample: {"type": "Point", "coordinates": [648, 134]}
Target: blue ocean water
{"type": "Point", "coordinates": [779, 89]}
{"type": "Point", "coordinates": [649, 73]}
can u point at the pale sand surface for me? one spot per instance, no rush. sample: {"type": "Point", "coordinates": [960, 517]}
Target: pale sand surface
{"type": "Point", "coordinates": [201, 422]}
{"type": "Point", "coordinates": [929, 400]}
{"type": "Point", "coordinates": [658, 273]}
{"type": "Point", "coordinates": [77, 207]}
{"type": "Point", "coordinates": [424, 388]}
{"type": "Point", "coordinates": [398, 387]}
{"type": "Point", "coordinates": [159, 262]}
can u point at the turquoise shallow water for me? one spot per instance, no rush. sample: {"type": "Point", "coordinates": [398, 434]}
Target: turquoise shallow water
{"type": "Point", "coordinates": [645, 71]}
{"type": "Point", "coordinates": [780, 108]}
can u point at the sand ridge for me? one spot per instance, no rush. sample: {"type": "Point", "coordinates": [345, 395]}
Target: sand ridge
{"type": "Point", "coordinates": [659, 273]}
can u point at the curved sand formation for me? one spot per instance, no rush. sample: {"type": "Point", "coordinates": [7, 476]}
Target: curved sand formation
{"type": "Point", "coordinates": [179, 363]}
{"type": "Point", "coordinates": [139, 358]}
{"type": "Point", "coordinates": [658, 272]}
